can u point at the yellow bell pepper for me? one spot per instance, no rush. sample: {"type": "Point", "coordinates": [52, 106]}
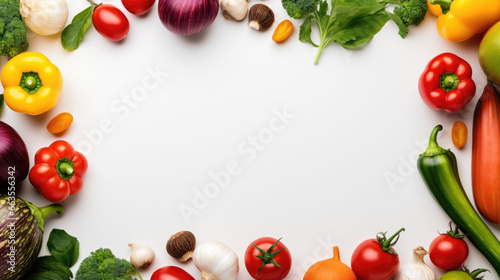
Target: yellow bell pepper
{"type": "Point", "coordinates": [462, 19]}
{"type": "Point", "coordinates": [32, 84]}
{"type": "Point", "coordinates": [434, 9]}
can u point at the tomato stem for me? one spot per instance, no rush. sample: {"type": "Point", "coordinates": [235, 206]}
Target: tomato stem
{"type": "Point", "coordinates": [93, 4]}
{"type": "Point", "coordinates": [387, 244]}
{"type": "Point", "coordinates": [474, 274]}
{"type": "Point", "coordinates": [268, 256]}
{"type": "Point", "coordinates": [455, 233]}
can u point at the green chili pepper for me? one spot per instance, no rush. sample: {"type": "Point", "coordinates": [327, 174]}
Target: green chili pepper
{"type": "Point", "coordinates": [438, 168]}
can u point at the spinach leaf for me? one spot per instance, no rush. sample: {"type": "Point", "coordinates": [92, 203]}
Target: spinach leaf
{"type": "Point", "coordinates": [403, 29]}
{"type": "Point", "coordinates": [305, 31]}
{"type": "Point", "coordinates": [64, 247]}
{"type": "Point", "coordinates": [48, 267]}
{"type": "Point", "coordinates": [351, 23]}
{"type": "Point", "coordinates": [361, 30]}
{"type": "Point", "coordinates": [74, 32]}
{"type": "Point", "coordinates": [64, 250]}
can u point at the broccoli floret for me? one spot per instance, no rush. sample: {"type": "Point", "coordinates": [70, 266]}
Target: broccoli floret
{"type": "Point", "coordinates": [411, 12]}
{"type": "Point", "coordinates": [298, 9]}
{"type": "Point", "coordinates": [103, 265]}
{"type": "Point", "coordinates": [115, 269]}
{"type": "Point", "coordinates": [13, 31]}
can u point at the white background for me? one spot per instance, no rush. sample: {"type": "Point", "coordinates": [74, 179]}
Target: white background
{"type": "Point", "coordinates": [320, 182]}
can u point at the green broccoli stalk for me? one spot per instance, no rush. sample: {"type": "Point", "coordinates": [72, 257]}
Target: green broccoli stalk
{"type": "Point", "coordinates": [411, 12]}
{"type": "Point", "coordinates": [13, 31]}
{"type": "Point", "coordinates": [103, 265]}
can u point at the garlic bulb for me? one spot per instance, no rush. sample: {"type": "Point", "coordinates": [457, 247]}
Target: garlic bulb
{"type": "Point", "coordinates": [142, 256]}
{"type": "Point", "coordinates": [216, 261]}
{"type": "Point", "coordinates": [45, 17]}
{"type": "Point", "coordinates": [234, 9]}
{"type": "Point", "coordinates": [417, 270]}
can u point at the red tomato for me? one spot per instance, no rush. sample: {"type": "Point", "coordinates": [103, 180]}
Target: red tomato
{"type": "Point", "coordinates": [272, 252]}
{"type": "Point", "coordinates": [447, 252]}
{"type": "Point", "coordinates": [171, 273]}
{"type": "Point", "coordinates": [375, 259]}
{"type": "Point", "coordinates": [110, 22]}
{"type": "Point", "coordinates": [138, 7]}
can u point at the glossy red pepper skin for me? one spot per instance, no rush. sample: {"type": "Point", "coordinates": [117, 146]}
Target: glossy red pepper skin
{"type": "Point", "coordinates": [58, 171]}
{"type": "Point", "coordinates": [446, 83]}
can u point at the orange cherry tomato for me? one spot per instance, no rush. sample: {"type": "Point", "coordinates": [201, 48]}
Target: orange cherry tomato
{"type": "Point", "coordinates": [283, 31]}
{"type": "Point", "coordinates": [60, 123]}
{"type": "Point", "coordinates": [459, 134]}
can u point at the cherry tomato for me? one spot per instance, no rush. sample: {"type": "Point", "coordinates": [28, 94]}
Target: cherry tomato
{"type": "Point", "coordinates": [375, 259]}
{"type": "Point", "coordinates": [268, 259]}
{"type": "Point", "coordinates": [110, 22]}
{"type": "Point", "coordinates": [171, 273]}
{"type": "Point", "coordinates": [449, 251]}
{"type": "Point", "coordinates": [138, 7]}
{"type": "Point", "coordinates": [459, 134]}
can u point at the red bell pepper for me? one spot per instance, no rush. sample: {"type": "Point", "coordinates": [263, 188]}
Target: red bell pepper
{"type": "Point", "coordinates": [446, 83]}
{"type": "Point", "coordinates": [58, 171]}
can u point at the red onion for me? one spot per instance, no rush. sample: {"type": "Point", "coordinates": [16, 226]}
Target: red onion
{"type": "Point", "coordinates": [14, 157]}
{"type": "Point", "coordinates": [187, 17]}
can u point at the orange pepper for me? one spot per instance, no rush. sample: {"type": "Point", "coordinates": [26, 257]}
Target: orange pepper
{"type": "Point", "coordinates": [283, 31]}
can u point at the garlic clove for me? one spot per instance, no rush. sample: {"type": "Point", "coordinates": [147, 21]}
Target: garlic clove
{"type": "Point", "coordinates": [260, 17]}
{"type": "Point", "coordinates": [45, 17]}
{"type": "Point", "coordinates": [234, 9]}
{"type": "Point", "coordinates": [417, 269]}
{"type": "Point", "coordinates": [181, 245]}
{"type": "Point", "coordinates": [141, 256]}
{"type": "Point", "coordinates": [216, 261]}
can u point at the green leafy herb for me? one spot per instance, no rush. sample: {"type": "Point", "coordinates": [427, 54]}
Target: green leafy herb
{"type": "Point", "coordinates": [352, 23]}
{"type": "Point", "coordinates": [74, 32]}
{"type": "Point", "coordinates": [64, 247]}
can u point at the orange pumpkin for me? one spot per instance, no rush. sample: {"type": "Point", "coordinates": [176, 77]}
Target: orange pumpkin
{"type": "Point", "coordinates": [331, 269]}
